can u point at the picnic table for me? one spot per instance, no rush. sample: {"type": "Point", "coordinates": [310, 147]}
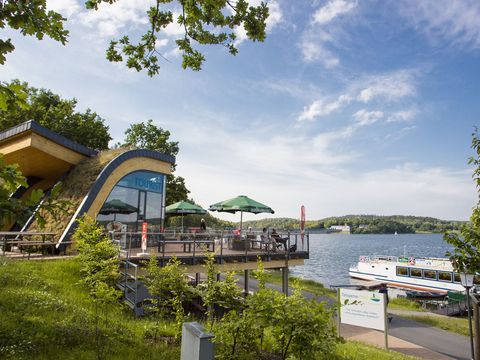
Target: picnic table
{"type": "Point", "coordinates": [23, 240]}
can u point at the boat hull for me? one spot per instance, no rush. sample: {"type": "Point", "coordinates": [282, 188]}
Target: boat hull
{"type": "Point", "coordinates": [387, 270]}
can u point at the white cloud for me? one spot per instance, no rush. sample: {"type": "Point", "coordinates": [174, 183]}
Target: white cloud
{"type": "Point", "coordinates": [320, 177]}
{"type": "Point", "coordinates": [322, 108]}
{"type": "Point", "coordinates": [161, 43]}
{"type": "Point", "coordinates": [315, 51]}
{"type": "Point", "coordinates": [392, 86]}
{"type": "Point", "coordinates": [364, 117]}
{"type": "Point", "coordinates": [402, 116]}
{"type": "Point", "coordinates": [333, 9]}
{"type": "Point", "coordinates": [388, 87]}
{"type": "Point", "coordinates": [110, 19]}
{"type": "Point", "coordinates": [65, 7]}
{"type": "Point", "coordinates": [174, 29]}
{"type": "Point", "coordinates": [453, 21]}
{"type": "Point", "coordinates": [315, 40]}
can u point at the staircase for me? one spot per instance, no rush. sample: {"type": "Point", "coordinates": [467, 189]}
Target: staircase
{"type": "Point", "coordinates": [134, 291]}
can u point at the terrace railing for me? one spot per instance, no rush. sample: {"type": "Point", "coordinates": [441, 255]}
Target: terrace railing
{"type": "Point", "coordinates": [227, 246]}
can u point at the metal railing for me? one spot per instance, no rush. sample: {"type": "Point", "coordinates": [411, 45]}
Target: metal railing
{"type": "Point", "coordinates": [225, 244]}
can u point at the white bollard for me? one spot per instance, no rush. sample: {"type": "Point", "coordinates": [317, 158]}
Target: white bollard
{"type": "Point", "coordinates": [196, 343]}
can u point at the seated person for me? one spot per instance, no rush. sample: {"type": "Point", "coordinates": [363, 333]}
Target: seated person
{"type": "Point", "coordinates": [274, 235]}
{"type": "Point", "coordinates": [250, 233]}
{"type": "Point", "coordinates": [266, 240]}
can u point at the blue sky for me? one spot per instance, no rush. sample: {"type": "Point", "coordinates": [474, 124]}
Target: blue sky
{"type": "Point", "coordinates": [349, 107]}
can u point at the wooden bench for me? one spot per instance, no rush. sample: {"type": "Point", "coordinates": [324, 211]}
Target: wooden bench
{"type": "Point", "coordinates": [28, 245]}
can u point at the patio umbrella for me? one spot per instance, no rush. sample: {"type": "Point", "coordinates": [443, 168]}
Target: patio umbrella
{"type": "Point", "coordinates": [184, 208]}
{"type": "Point", "coordinates": [116, 206]}
{"type": "Point", "coordinates": [243, 204]}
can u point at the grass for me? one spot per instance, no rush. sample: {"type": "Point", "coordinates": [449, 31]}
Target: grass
{"type": "Point", "coordinates": [47, 315]}
{"type": "Point", "coordinates": [405, 304]}
{"type": "Point", "coordinates": [316, 288]}
{"type": "Point", "coordinates": [353, 350]}
{"type": "Point", "coordinates": [452, 324]}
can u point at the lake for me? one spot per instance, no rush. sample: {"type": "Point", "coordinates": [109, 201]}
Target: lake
{"type": "Point", "coordinates": [332, 254]}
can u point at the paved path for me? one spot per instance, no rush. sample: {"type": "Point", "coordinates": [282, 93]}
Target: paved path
{"type": "Point", "coordinates": [406, 336]}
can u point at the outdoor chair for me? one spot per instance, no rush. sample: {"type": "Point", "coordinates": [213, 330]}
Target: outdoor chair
{"type": "Point", "coordinates": [268, 243]}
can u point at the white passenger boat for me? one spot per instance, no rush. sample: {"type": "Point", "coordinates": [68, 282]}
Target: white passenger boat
{"type": "Point", "coordinates": [426, 274]}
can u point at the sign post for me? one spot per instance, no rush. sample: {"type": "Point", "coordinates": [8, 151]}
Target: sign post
{"type": "Point", "coordinates": [302, 223]}
{"type": "Point", "coordinates": [363, 308]}
{"type": "Point", "coordinates": [144, 238]}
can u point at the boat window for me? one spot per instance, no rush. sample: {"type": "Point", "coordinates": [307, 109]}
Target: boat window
{"type": "Point", "coordinates": [456, 278]}
{"type": "Point", "coordinates": [417, 273]}
{"type": "Point", "coordinates": [445, 276]}
{"type": "Point", "coordinates": [402, 271]}
{"type": "Point", "coordinates": [476, 279]}
{"type": "Point", "coordinates": [430, 274]}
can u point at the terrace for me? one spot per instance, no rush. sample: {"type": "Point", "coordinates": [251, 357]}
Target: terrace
{"type": "Point", "coordinates": [231, 251]}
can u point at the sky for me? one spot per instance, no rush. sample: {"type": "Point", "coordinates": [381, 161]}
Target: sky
{"type": "Point", "coordinates": [348, 107]}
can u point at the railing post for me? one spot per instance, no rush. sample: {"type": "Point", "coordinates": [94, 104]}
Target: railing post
{"type": "Point", "coordinates": [288, 245]}
{"type": "Point", "coordinates": [245, 241]}
{"type": "Point", "coordinates": [194, 246]}
{"type": "Point", "coordinates": [221, 247]}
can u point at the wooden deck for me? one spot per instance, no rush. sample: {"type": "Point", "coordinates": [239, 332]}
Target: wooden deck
{"type": "Point", "coordinates": [193, 253]}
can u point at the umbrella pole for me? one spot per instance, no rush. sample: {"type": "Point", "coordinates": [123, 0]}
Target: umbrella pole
{"type": "Point", "coordinates": [241, 218]}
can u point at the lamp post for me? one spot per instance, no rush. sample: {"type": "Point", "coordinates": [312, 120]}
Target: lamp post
{"type": "Point", "coordinates": [467, 283]}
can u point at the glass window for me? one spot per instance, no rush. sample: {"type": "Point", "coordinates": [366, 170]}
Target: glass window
{"type": "Point", "coordinates": [476, 279]}
{"type": "Point", "coordinates": [445, 276]}
{"type": "Point", "coordinates": [430, 274]}
{"type": "Point", "coordinates": [417, 273]}
{"type": "Point", "coordinates": [456, 278]}
{"type": "Point", "coordinates": [402, 271]}
{"type": "Point", "coordinates": [136, 198]}
{"type": "Point", "coordinates": [143, 180]}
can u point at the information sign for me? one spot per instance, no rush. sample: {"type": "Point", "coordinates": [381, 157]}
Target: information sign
{"type": "Point", "coordinates": [363, 308]}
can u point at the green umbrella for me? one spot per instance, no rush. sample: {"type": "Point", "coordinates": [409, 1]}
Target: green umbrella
{"type": "Point", "coordinates": [117, 206]}
{"type": "Point", "coordinates": [243, 204]}
{"type": "Point", "coordinates": [184, 208]}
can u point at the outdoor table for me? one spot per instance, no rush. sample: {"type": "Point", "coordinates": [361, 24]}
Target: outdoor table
{"type": "Point", "coordinates": [17, 237]}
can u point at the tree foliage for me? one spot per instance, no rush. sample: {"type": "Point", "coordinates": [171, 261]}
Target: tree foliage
{"type": "Point", "coordinates": [466, 253]}
{"type": "Point", "coordinates": [289, 326]}
{"type": "Point", "coordinates": [365, 224]}
{"type": "Point", "coordinates": [98, 259]}
{"type": "Point", "coordinates": [96, 253]}
{"type": "Point", "coordinates": [205, 22]}
{"type": "Point", "coordinates": [56, 114]}
{"type": "Point", "coordinates": [169, 289]}
{"type": "Point", "coordinates": [149, 136]}
{"type": "Point", "coordinates": [31, 18]}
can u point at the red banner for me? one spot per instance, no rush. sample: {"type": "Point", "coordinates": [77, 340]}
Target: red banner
{"type": "Point", "coordinates": [144, 236]}
{"type": "Point", "coordinates": [302, 222]}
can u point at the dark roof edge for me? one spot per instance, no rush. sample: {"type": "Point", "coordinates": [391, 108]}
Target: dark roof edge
{"type": "Point", "coordinates": [49, 134]}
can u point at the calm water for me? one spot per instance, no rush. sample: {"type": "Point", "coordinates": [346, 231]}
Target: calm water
{"type": "Point", "coordinates": [332, 254]}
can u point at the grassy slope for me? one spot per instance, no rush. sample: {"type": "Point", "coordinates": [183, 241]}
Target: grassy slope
{"type": "Point", "coordinates": [452, 324]}
{"type": "Point", "coordinates": [46, 315]}
{"type": "Point", "coordinates": [316, 288]}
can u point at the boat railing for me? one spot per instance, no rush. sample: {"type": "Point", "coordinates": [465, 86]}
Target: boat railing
{"type": "Point", "coordinates": [377, 258]}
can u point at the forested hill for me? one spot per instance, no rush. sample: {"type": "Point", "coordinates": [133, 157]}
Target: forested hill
{"type": "Point", "coordinates": [365, 224]}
